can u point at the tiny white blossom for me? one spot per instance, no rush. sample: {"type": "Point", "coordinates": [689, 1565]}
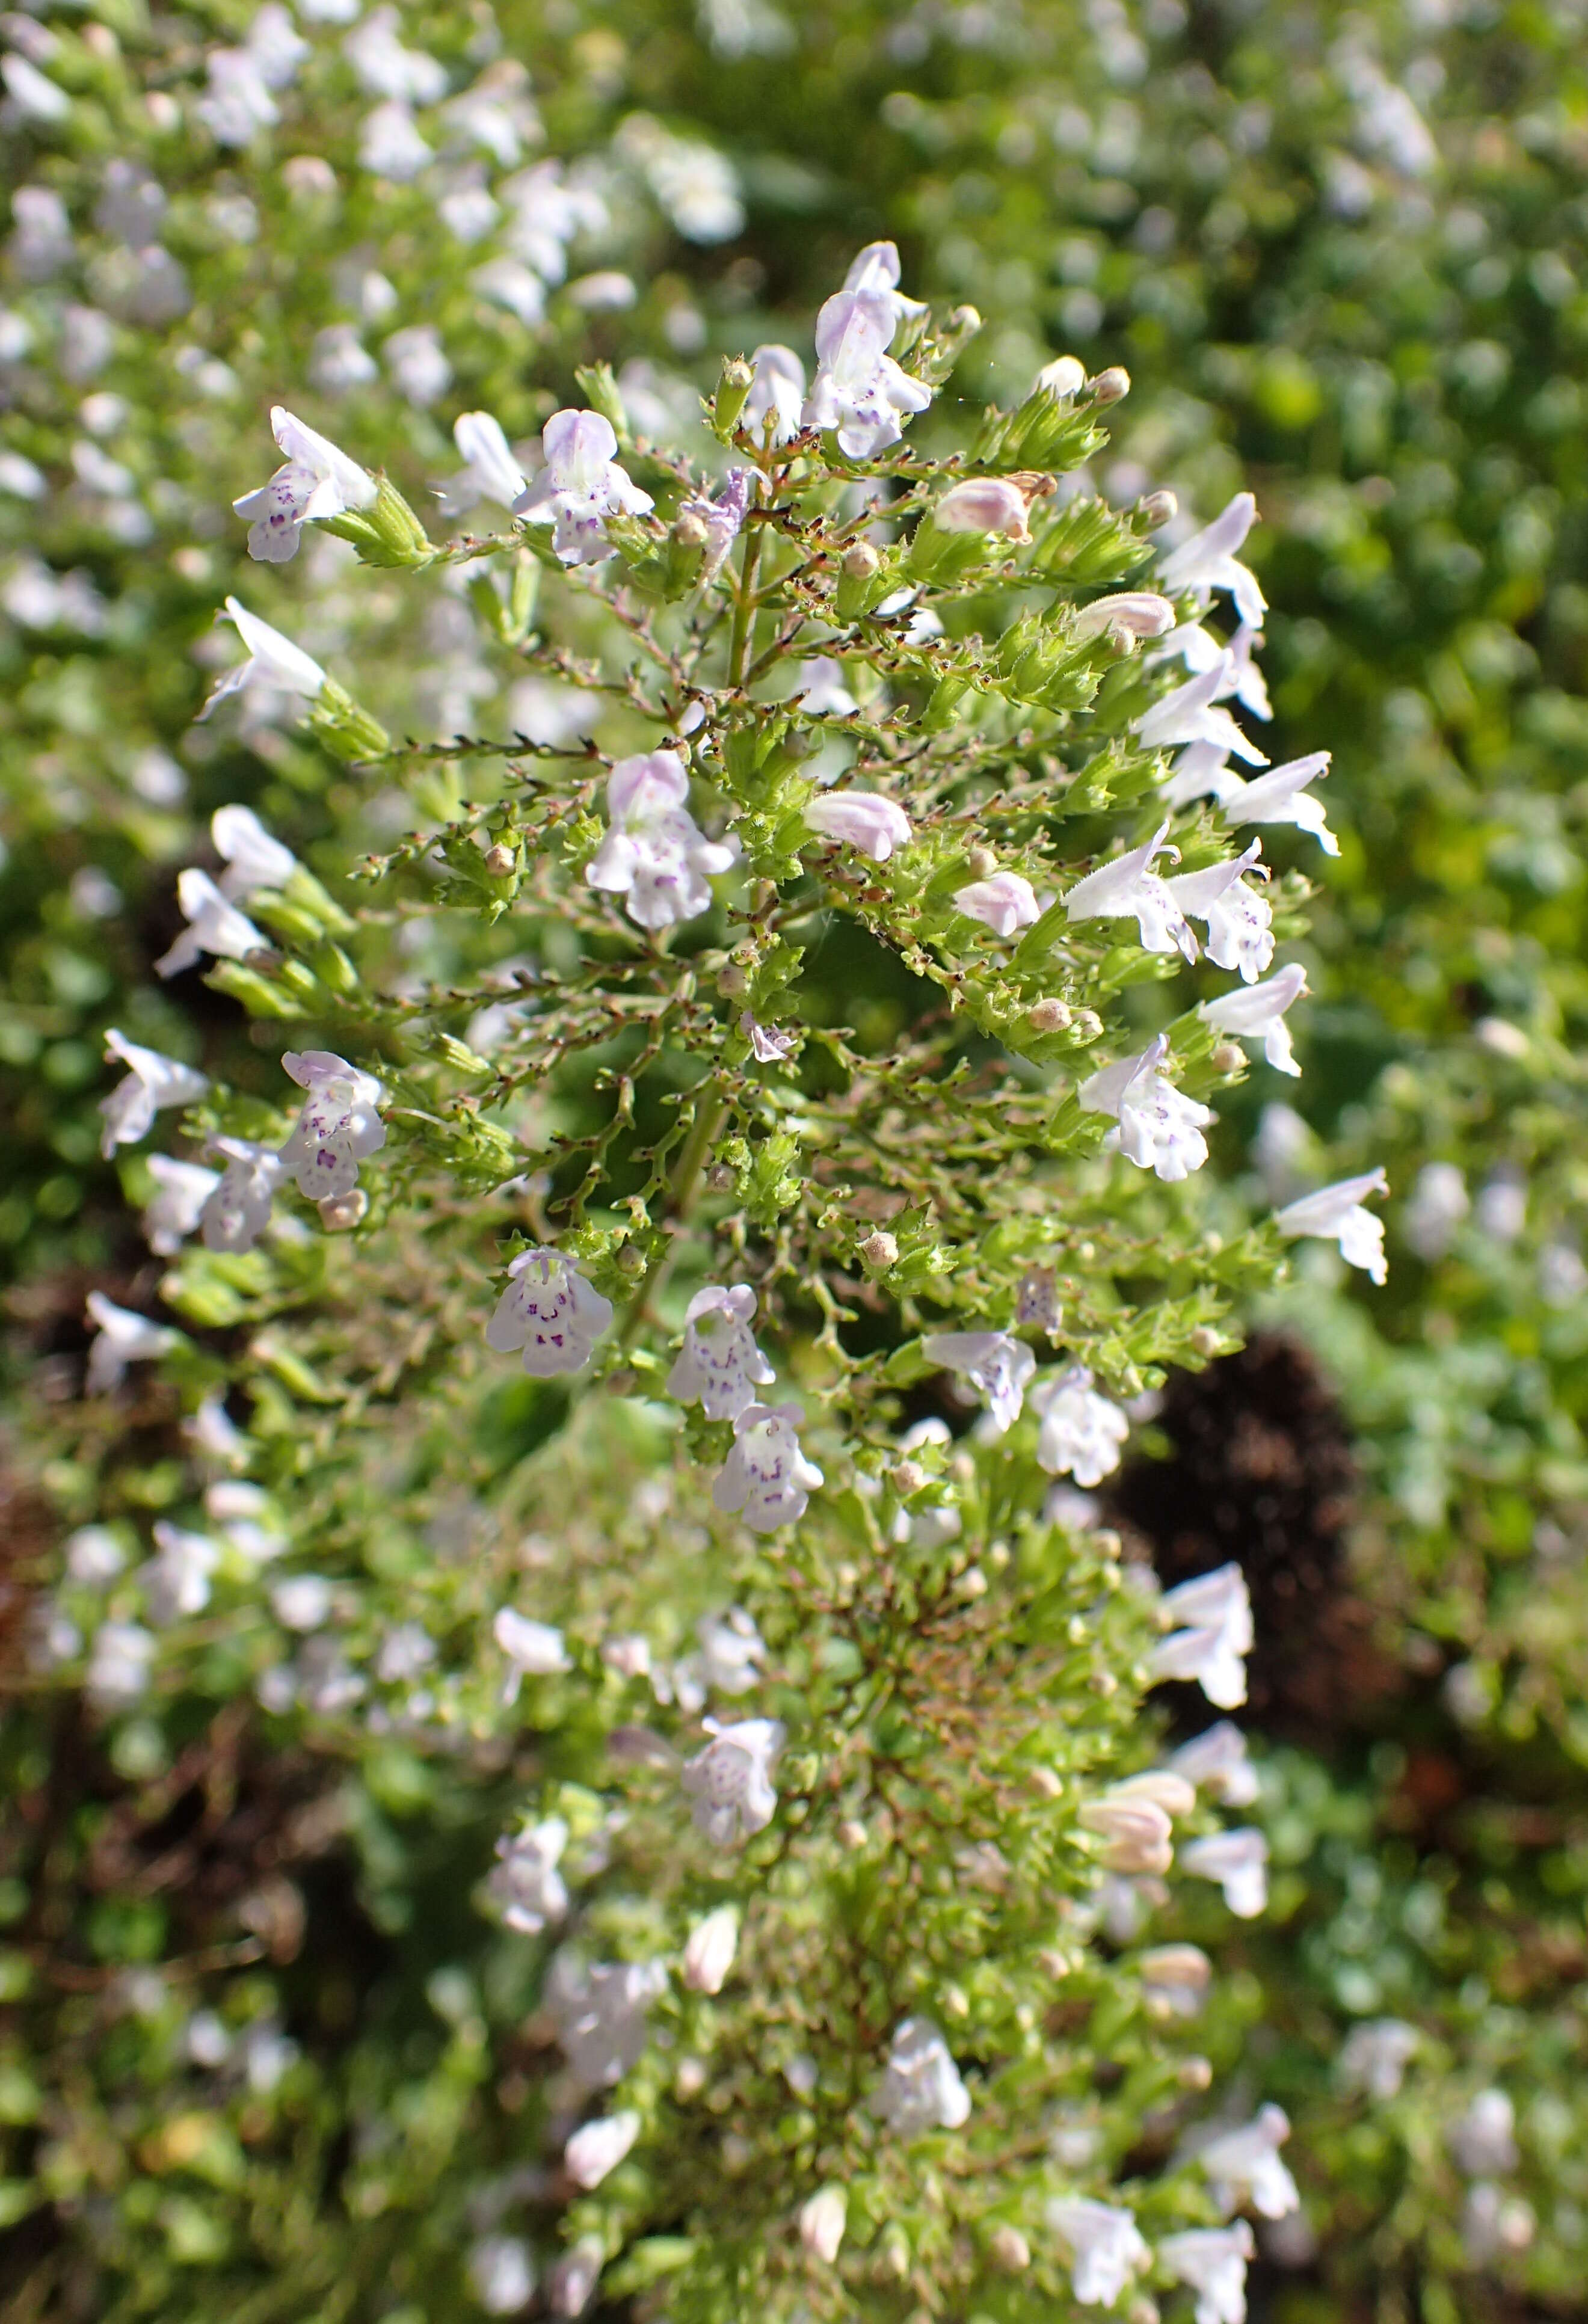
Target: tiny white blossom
{"type": "Point", "coordinates": [176, 1582]}
{"type": "Point", "coordinates": [921, 2089]}
{"type": "Point", "coordinates": [119, 1661]}
{"type": "Point", "coordinates": [732, 1651]}
{"type": "Point", "coordinates": [1159, 1129]}
{"type": "Point", "coordinates": [256, 863]}
{"type": "Point", "coordinates": [1006, 903]}
{"type": "Point", "coordinates": [151, 1082]}
{"type": "Point", "coordinates": [526, 1883]}
{"type": "Point", "coordinates": [1105, 2245]}
{"type": "Point", "coordinates": [273, 661]}
{"type": "Point", "coordinates": [213, 1432]}
{"type": "Point", "coordinates": [1212, 2262]}
{"type": "Point", "coordinates": [385, 68]}
{"type": "Point", "coordinates": [722, 517]}
{"type": "Point", "coordinates": [1244, 2166]}
{"type": "Point", "coordinates": [338, 1127]}
{"type": "Point", "coordinates": [1207, 561]}
{"type": "Point", "coordinates": [501, 2273]}
{"type": "Point", "coordinates": [1282, 796]}
{"type": "Point", "coordinates": [121, 1338]}
{"type": "Point", "coordinates": [182, 1190]}
{"type": "Point", "coordinates": [719, 1365]}
{"type": "Point", "coordinates": [777, 389]}
{"type": "Point", "coordinates": [1239, 673]}
{"type": "Point", "coordinates": [94, 1557]}
{"type": "Point", "coordinates": [1258, 1013]}
{"type": "Point", "coordinates": [859, 391]}
{"type": "Point", "coordinates": [1175, 1978]}
{"type": "Point", "coordinates": [533, 1649]}
{"type": "Point", "coordinates": [730, 1781]}
{"type": "Point", "coordinates": [1189, 716]}
{"type": "Point", "coordinates": [990, 505]}
{"type": "Point", "coordinates": [594, 2152]}
{"type": "Point", "coordinates": [1216, 1762]}
{"type": "Point", "coordinates": [1240, 922]}
{"type": "Point", "coordinates": [766, 1477]}
{"type": "Point", "coordinates": [655, 856]}
{"type": "Point", "coordinates": [875, 272]}
{"type": "Point", "coordinates": [602, 2015]}
{"type": "Point", "coordinates": [237, 1211]}
{"type": "Point", "coordinates": [1238, 1861]}
{"type": "Point", "coordinates": [570, 2283]}
{"type": "Point", "coordinates": [302, 1601]}
{"type": "Point", "coordinates": [1139, 612]}
{"type": "Point", "coordinates": [241, 1511]}
{"type": "Point", "coordinates": [767, 1046]}
{"type": "Point", "coordinates": [863, 820]}
{"type": "Point", "coordinates": [1335, 1215]}
{"type": "Point", "coordinates": [391, 145]}
{"type": "Point", "coordinates": [1128, 887]}
{"type": "Point", "coordinates": [34, 94]}
{"type": "Point", "coordinates": [1137, 1834]}
{"type": "Point", "coordinates": [1082, 1434]}
{"type": "Point", "coordinates": [317, 481]}
{"type": "Point", "coordinates": [1483, 2139]}
{"type": "Point", "coordinates": [1439, 1203]}
{"type": "Point", "coordinates": [550, 1311]}
{"type": "Point", "coordinates": [215, 926]}
{"type": "Point", "coordinates": [338, 360]}
{"type": "Point", "coordinates": [1213, 1634]}
{"type": "Point", "coordinates": [1376, 2056]}
{"type": "Point", "coordinates": [997, 1366]}
{"type": "Point", "coordinates": [580, 487]}
{"type": "Point", "coordinates": [708, 1954]}
{"type": "Point", "coordinates": [418, 366]}
{"type": "Point", "coordinates": [822, 2222]}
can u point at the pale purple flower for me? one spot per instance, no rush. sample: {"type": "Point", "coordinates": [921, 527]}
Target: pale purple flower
{"type": "Point", "coordinates": [119, 1664]}
{"type": "Point", "coordinates": [766, 1477]}
{"type": "Point", "coordinates": [722, 517]}
{"type": "Point", "coordinates": [1439, 1203]}
{"type": "Point", "coordinates": [418, 366]}
{"type": "Point", "coordinates": [1483, 2139]}
{"type": "Point", "coordinates": [317, 481]}
{"type": "Point", "coordinates": [1240, 922]}
{"type": "Point", "coordinates": [1282, 796]}
{"type": "Point", "coordinates": [1175, 1978]}
{"type": "Point", "coordinates": [1257, 1013]}
{"type": "Point", "coordinates": [501, 2273]}
{"type": "Point", "coordinates": [1106, 2247]}
{"type": "Point", "coordinates": [151, 1082]}
{"type": "Point", "coordinates": [1376, 2055]}
{"type": "Point", "coordinates": [256, 863]}
{"type": "Point", "coordinates": [385, 68]}
{"type": "Point", "coordinates": [997, 1366]}
{"type": "Point", "coordinates": [655, 856]}
{"type": "Point", "coordinates": [1216, 1762]}
{"type": "Point", "coordinates": [182, 1190]}
{"type": "Point", "coordinates": [767, 1046]}
{"type": "Point", "coordinates": [863, 820]}
{"type": "Point", "coordinates": [1213, 1635]}
{"type": "Point", "coordinates": [550, 1311]}
{"type": "Point", "coordinates": [571, 2280]}
{"type": "Point", "coordinates": [731, 1780]}
{"type": "Point", "coordinates": [1189, 715]}
{"type": "Point", "coordinates": [921, 2089]}
{"type": "Point", "coordinates": [491, 469]}
{"type": "Point", "coordinates": [1207, 561]}
{"type": "Point", "coordinates": [1244, 2166]}
{"type": "Point", "coordinates": [719, 1365]}
{"type": "Point", "coordinates": [580, 485]}
{"type": "Point", "coordinates": [1335, 1215]}
{"type": "Point", "coordinates": [990, 505]}
{"type": "Point", "coordinates": [1128, 887]}
{"type": "Point", "coordinates": [338, 1127]}
{"type": "Point", "coordinates": [272, 661]}
{"type": "Point", "coordinates": [237, 1212]}
{"type": "Point", "coordinates": [875, 272]}
{"type": "Point", "coordinates": [533, 1649]}
{"type": "Point", "coordinates": [1241, 677]}
{"type": "Point", "coordinates": [1006, 903]}
{"type": "Point", "coordinates": [601, 2014]}
{"type": "Point", "coordinates": [1159, 1129]}
{"type": "Point", "coordinates": [594, 2152]}
{"type": "Point", "coordinates": [822, 2221]}
{"type": "Point", "coordinates": [1212, 2262]}
{"type": "Point", "coordinates": [121, 1338]}
{"type": "Point", "coordinates": [1082, 1434]}
{"type": "Point", "coordinates": [777, 389]}
{"type": "Point", "coordinates": [859, 391]}
{"type": "Point", "coordinates": [526, 1885]}
{"type": "Point", "coordinates": [176, 1582]}
{"type": "Point", "coordinates": [1238, 1861]}
{"type": "Point", "coordinates": [1139, 612]}
{"type": "Point", "coordinates": [391, 143]}
{"type": "Point", "coordinates": [215, 926]}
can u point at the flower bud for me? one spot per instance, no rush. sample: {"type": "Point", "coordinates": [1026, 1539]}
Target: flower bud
{"type": "Point", "coordinates": [1228, 1058]}
{"type": "Point", "coordinates": [500, 860]}
{"type": "Point", "coordinates": [989, 504]}
{"type": "Point", "coordinates": [1048, 1017]}
{"type": "Point", "coordinates": [880, 1250]}
{"type": "Point", "coordinates": [1113, 386]}
{"type": "Point", "coordinates": [733, 386]}
{"type": "Point", "coordinates": [630, 1261]}
{"type": "Point", "coordinates": [1009, 2248]}
{"type": "Point", "coordinates": [1205, 1341]}
{"type": "Point", "coordinates": [708, 1955]}
{"type": "Point", "coordinates": [822, 2222]}
{"type": "Point", "coordinates": [733, 984]}
{"type": "Point", "coordinates": [853, 1834]}
{"type": "Point", "coordinates": [907, 1477]}
{"type": "Point", "coordinates": [981, 862]}
{"type": "Point", "coordinates": [1088, 1025]}
{"type": "Point", "coordinates": [861, 561]}
{"type": "Point", "coordinates": [1157, 508]}
{"type": "Point", "coordinates": [1195, 2074]}
{"type": "Point", "coordinates": [688, 531]}
{"type": "Point", "coordinates": [338, 1212]}
{"type": "Point", "coordinates": [1063, 377]}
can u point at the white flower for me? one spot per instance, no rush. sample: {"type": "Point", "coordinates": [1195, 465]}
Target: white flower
{"type": "Point", "coordinates": [996, 1365]}
{"type": "Point", "coordinates": [34, 94]}
{"type": "Point", "coordinates": [508, 282]}
{"type": "Point", "coordinates": [1188, 715]}
{"type": "Point", "coordinates": [122, 1338]}
{"type": "Point", "coordinates": [501, 2273]}
{"type": "Point", "coordinates": [1137, 1834]}
{"type": "Point", "coordinates": [861, 819]}
{"type": "Point", "coordinates": [731, 1650]}
{"type": "Point", "coordinates": [776, 389]}
{"type": "Point", "coordinates": [385, 68]}
{"type": "Point", "coordinates": [176, 1581]}
{"type": "Point", "coordinates": [1483, 2139]}
{"type": "Point", "coordinates": [991, 505]}
{"type": "Point", "coordinates": [654, 853]}
{"type": "Point", "coordinates": [1335, 1215]}
{"type": "Point", "coordinates": [1006, 903]}
{"type": "Point", "coordinates": [240, 1510]}
{"type": "Point", "coordinates": [316, 481]}
{"type": "Point", "coordinates": [1128, 889]}
{"type": "Point", "coordinates": [1106, 2247]}
{"type": "Point", "coordinates": [822, 2222]}
{"type": "Point", "coordinates": [1158, 1128]}
{"type": "Point", "coordinates": [730, 1781]}
{"type": "Point", "coordinates": [533, 1649]}
{"type": "Point", "coordinates": [151, 1082]}
{"type": "Point", "coordinates": [1258, 1013]}
{"type": "Point", "coordinates": [1081, 1433]}
{"type": "Point", "coordinates": [256, 863]}
{"type": "Point", "coordinates": [338, 360]}
{"type": "Point", "coordinates": [302, 1601]}
{"type": "Point", "coordinates": [336, 1128]}
{"type": "Point", "coordinates": [1212, 2262]}
{"type": "Point", "coordinates": [1282, 796]}
{"type": "Point", "coordinates": [767, 1046]}
{"type": "Point", "coordinates": [1139, 613]}
{"type": "Point", "coordinates": [1239, 674]}
{"type": "Point", "coordinates": [551, 1312]}
{"type": "Point", "coordinates": [580, 485]}
{"type": "Point", "coordinates": [183, 1189]}
{"type": "Point", "coordinates": [1212, 1613]}
{"type": "Point", "coordinates": [766, 1477]}
{"type": "Point", "coordinates": [526, 1883]}
{"type": "Point", "coordinates": [390, 144]}
{"type": "Point", "coordinates": [119, 1668]}
{"type": "Point", "coordinates": [418, 366]}
{"type": "Point", "coordinates": [1207, 562]}
{"type": "Point", "coordinates": [875, 271]}
{"type": "Point", "coordinates": [1439, 1203]}
{"type": "Point", "coordinates": [595, 2152]}
{"type": "Point", "coordinates": [920, 2088]}
{"type": "Point", "coordinates": [1240, 922]}
{"type": "Point", "coordinates": [1175, 1978]}
{"type": "Point", "coordinates": [1216, 1762]}
{"type": "Point", "coordinates": [1238, 1861]}
{"type": "Point", "coordinates": [238, 103]}
{"type": "Point", "coordinates": [859, 390]}
{"type": "Point", "coordinates": [273, 661]}
{"type": "Point", "coordinates": [213, 1432]}
{"type": "Point", "coordinates": [215, 926]}
{"type": "Point", "coordinates": [719, 1365]}
{"type": "Point", "coordinates": [237, 1211]}
{"type": "Point", "coordinates": [1243, 2165]}
{"type": "Point", "coordinates": [570, 2283]}
{"type": "Point", "coordinates": [94, 1557]}
{"type": "Point", "coordinates": [708, 1954]}
{"type": "Point", "coordinates": [1376, 2056]}
{"type": "Point", "coordinates": [600, 2014]}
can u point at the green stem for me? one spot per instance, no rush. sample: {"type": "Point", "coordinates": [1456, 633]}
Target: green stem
{"type": "Point", "coordinates": [745, 607]}
{"type": "Point", "coordinates": [685, 1177]}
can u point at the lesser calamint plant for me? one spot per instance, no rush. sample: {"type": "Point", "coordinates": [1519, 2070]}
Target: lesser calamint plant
{"type": "Point", "coordinates": [839, 1914]}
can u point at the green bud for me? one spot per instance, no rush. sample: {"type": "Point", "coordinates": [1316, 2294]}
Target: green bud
{"type": "Point", "coordinates": [388, 534]}
{"type": "Point", "coordinates": [347, 730]}
{"type": "Point", "coordinates": [733, 387]}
